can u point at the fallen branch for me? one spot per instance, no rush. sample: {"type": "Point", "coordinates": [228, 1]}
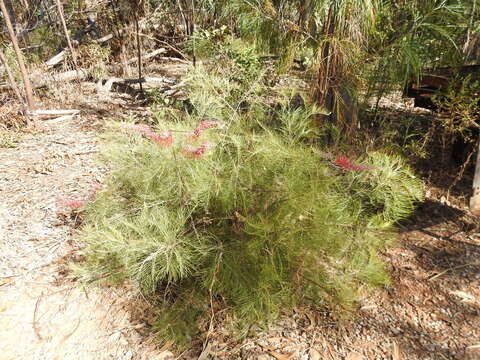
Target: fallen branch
{"type": "Point", "coordinates": [57, 59]}
{"type": "Point", "coordinates": [50, 113]}
{"type": "Point", "coordinates": [41, 80]}
{"type": "Point", "coordinates": [146, 81]}
{"type": "Point", "coordinates": [147, 56]}
{"type": "Point", "coordinates": [34, 322]}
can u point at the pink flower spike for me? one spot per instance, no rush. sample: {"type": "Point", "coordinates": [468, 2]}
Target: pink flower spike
{"type": "Point", "coordinates": [197, 132]}
{"type": "Point", "coordinates": [196, 152]}
{"type": "Point", "coordinates": [73, 204]}
{"type": "Point", "coordinates": [208, 124]}
{"type": "Point", "coordinates": [164, 138]}
{"type": "Point", "coordinates": [194, 135]}
{"type": "Point", "coordinates": [141, 129]}
{"type": "Point", "coordinates": [346, 164]}
{"type": "Point", "coordinates": [94, 189]}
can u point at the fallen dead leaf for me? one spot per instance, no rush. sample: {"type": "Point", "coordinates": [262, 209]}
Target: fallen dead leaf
{"type": "Point", "coordinates": [396, 353]}
{"type": "Point", "coordinates": [7, 281]}
{"type": "Point", "coordinates": [280, 356]}
{"type": "Point", "coordinates": [464, 296]}
{"type": "Point", "coordinates": [354, 356]}
{"type": "Point", "coordinates": [205, 352]}
{"type": "Point", "coordinates": [314, 354]}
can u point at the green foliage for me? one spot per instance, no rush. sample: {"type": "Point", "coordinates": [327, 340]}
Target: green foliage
{"type": "Point", "coordinates": [404, 133]}
{"type": "Point", "coordinates": [460, 104]}
{"type": "Point", "coordinates": [257, 224]}
{"type": "Point", "coordinates": [8, 139]}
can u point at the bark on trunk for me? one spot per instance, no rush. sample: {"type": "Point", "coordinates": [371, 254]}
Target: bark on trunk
{"type": "Point", "coordinates": [65, 30]}
{"type": "Point", "coordinates": [475, 199]}
{"type": "Point", "coordinates": [11, 13]}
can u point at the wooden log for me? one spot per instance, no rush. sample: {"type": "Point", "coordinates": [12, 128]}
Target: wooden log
{"type": "Point", "coordinates": [147, 56]}
{"type": "Point", "coordinates": [59, 119]}
{"type": "Point", "coordinates": [41, 80]}
{"type": "Point", "coordinates": [54, 113]}
{"type": "Point", "coordinates": [149, 82]}
{"type": "Point", "coordinates": [475, 199]}
{"type": "Point", "coordinates": [57, 59]}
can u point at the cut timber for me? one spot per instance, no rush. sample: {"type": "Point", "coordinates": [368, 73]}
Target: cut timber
{"type": "Point", "coordinates": [149, 82]}
{"type": "Point", "coordinates": [59, 119]}
{"type": "Point", "coordinates": [475, 199]}
{"type": "Point", "coordinates": [57, 59]}
{"type": "Point", "coordinates": [53, 113]}
{"type": "Point", "coordinates": [41, 80]}
{"type": "Point", "coordinates": [147, 56]}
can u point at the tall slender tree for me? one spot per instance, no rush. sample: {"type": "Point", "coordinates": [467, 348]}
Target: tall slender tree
{"type": "Point", "coordinates": [65, 30]}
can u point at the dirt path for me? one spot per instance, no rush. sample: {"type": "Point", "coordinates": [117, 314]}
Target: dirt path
{"type": "Point", "coordinates": [42, 314]}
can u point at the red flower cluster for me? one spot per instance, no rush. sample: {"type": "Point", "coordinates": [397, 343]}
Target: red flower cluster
{"type": "Point", "coordinates": [345, 163]}
{"type": "Point", "coordinates": [204, 125]}
{"type": "Point", "coordinates": [141, 129]}
{"type": "Point", "coordinates": [75, 204]}
{"type": "Point", "coordinates": [196, 152]}
{"type": "Point", "coordinates": [164, 138]}
{"type": "Point", "coordinates": [208, 124]}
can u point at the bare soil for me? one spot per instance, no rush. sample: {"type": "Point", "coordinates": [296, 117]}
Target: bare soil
{"type": "Point", "coordinates": [430, 311]}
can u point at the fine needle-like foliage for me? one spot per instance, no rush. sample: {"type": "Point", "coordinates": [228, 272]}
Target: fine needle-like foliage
{"type": "Point", "coordinates": [234, 207]}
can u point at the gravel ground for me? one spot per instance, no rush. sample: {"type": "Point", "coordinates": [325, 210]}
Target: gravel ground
{"type": "Point", "coordinates": [43, 315]}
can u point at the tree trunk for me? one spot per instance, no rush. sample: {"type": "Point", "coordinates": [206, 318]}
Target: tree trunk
{"type": "Point", "coordinates": [11, 13]}
{"type": "Point", "coordinates": [475, 199]}
{"type": "Point", "coordinates": [139, 51]}
{"type": "Point", "coordinates": [65, 30]}
{"type": "Point", "coordinates": [18, 53]}
{"type": "Point", "coordinates": [325, 81]}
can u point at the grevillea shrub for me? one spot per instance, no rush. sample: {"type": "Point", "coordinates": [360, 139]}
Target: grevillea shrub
{"type": "Point", "coordinates": [240, 218]}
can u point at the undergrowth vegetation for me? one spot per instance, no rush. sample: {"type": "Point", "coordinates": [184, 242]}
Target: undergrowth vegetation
{"type": "Point", "coordinates": [233, 205]}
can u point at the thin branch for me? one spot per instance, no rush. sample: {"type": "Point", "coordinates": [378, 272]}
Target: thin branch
{"type": "Point", "coordinates": [11, 79]}
{"type": "Point", "coordinates": [139, 49]}
{"type": "Point", "coordinates": [18, 53]}
{"type": "Point", "coordinates": [65, 30]}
